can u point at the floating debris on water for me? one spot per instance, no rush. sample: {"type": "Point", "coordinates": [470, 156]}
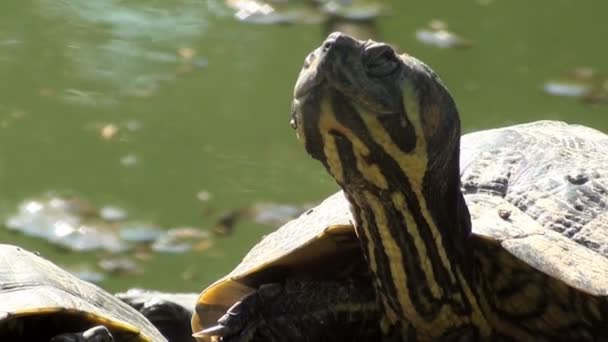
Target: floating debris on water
{"type": "Point", "coordinates": [576, 83]}
{"type": "Point", "coordinates": [133, 125]}
{"type": "Point", "coordinates": [566, 88]}
{"type": "Point", "coordinates": [65, 223]}
{"type": "Point", "coordinates": [76, 225]}
{"type": "Point", "coordinates": [129, 160]}
{"type": "Point", "coordinates": [303, 12]}
{"type": "Point", "coordinates": [87, 274]}
{"type": "Point", "coordinates": [438, 35]}
{"type": "Point", "coordinates": [250, 8]}
{"type": "Point", "coordinates": [46, 92]}
{"type": "Point", "coordinates": [186, 53]}
{"type": "Point", "coordinates": [12, 117]}
{"type": "Point", "coordinates": [225, 225]}
{"type": "Point", "coordinates": [203, 196]}
{"type": "Point", "coordinates": [271, 214]}
{"type": "Point", "coordinates": [108, 131]}
{"type": "Point", "coordinates": [583, 83]}
{"type": "Point", "coordinates": [599, 94]}
{"type": "Point", "coordinates": [354, 10]}
{"type": "Point", "coordinates": [260, 12]}
{"type": "Point", "coordinates": [88, 98]}
{"type": "Point", "coordinates": [183, 239]}
{"type": "Point", "coordinates": [112, 214]}
{"type": "Point", "coordinates": [140, 232]}
{"type": "Point", "coordinates": [121, 245]}
{"type": "Point", "coordinates": [190, 273]}
{"type": "Point", "coordinates": [120, 266]}
{"type": "Point", "coordinates": [362, 30]}
{"type": "Point", "coordinates": [113, 131]}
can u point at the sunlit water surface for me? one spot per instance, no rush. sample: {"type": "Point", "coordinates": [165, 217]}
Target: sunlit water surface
{"type": "Point", "coordinates": [178, 113]}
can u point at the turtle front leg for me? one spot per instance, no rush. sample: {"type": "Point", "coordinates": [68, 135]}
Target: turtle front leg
{"type": "Point", "coordinates": [96, 334]}
{"type": "Point", "coordinates": [302, 310]}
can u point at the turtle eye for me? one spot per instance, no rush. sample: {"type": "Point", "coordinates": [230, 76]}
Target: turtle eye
{"type": "Point", "coordinates": [379, 60]}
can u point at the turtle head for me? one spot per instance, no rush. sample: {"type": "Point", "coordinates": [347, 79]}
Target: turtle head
{"type": "Point", "coordinates": [361, 103]}
{"type": "Point", "coordinates": [388, 131]}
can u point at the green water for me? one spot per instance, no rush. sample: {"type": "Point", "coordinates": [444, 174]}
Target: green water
{"type": "Point", "coordinates": [218, 121]}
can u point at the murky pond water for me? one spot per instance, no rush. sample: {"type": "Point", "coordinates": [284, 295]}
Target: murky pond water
{"type": "Point", "coordinates": [175, 114]}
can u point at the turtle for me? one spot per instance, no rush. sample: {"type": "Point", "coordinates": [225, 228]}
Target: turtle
{"type": "Point", "coordinates": [41, 302]}
{"type": "Point", "coordinates": [303, 273]}
{"type": "Point", "coordinates": [496, 235]}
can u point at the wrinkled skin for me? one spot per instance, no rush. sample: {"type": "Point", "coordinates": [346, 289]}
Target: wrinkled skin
{"type": "Point", "coordinates": [302, 311]}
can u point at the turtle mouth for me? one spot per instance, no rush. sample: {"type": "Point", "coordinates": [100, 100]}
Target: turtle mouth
{"type": "Point", "coordinates": [310, 77]}
{"type": "Point", "coordinates": [306, 84]}
{"type": "Point", "coordinates": [312, 74]}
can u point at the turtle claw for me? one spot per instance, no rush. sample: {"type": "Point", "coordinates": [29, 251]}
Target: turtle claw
{"type": "Point", "coordinates": [96, 334]}
{"type": "Point", "coordinates": [218, 330]}
{"type": "Point", "coordinates": [226, 334]}
{"type": "Point", "coordinates": [242, 320]}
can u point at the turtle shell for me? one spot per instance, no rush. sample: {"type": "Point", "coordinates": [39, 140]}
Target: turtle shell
{"type": "Point", "coordinates": [39, 300]}
{"type": "Point", "coordinates": [321, 241]}
{"type": "Point", "coordinates": [541, 191]}
{"type": "Point", "coordinates": [538, 190]}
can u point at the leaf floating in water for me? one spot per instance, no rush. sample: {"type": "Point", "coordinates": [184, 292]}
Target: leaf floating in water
{"type": "Point", "coordinates": [598, 95]}
{"type": "Point", "coordinates": [112, 214]}
{"type": "Point", "coordinates": [88, 98]}
{"type": "Point", "coordinates": [133, 125]}
{"type": "Point", "coordinates": [129, 160]}
{"type": "Point", "coordinates": [46, 92]}
{"type": "Point", "coordinates": [203, 196]}
{"type": "Point", "coordinates": [275, 215]}
{"type": "Point", "coordinates": [108, 131]}
{"type": "Point", "coordinates": [74, 224]}
{"type": "Point", "coordinates": [354, 10]}
{"type": "Point", "coordinates": [438, 35]}
{"type": "Point", "coordinates": [260, 12]}
{"type": "Point", "coordinates": [140, 233]}
{"type": "Point", "coordinates": [13, 116]}
{"type": "Point", "coordinates": [87, 274]}
{"type": "Point", "coordinates": [113, 131]}
{"type": "Point", "coordinates": [271, 214]}
{"type": "Point", "coordinates": [248, 8]}
{"type": "Point", "coordinates": [66, 223]}
{"type": "Point", "coordinates": [180, 240]}
{"type": "Point", "coordinates": [186, 53]}
{"type": "Point", "coordinates": [583, 83]}
{"type": "Point", "coordinates": [566, 88]}
{"type": "Point", "coordinates": [120, 266]}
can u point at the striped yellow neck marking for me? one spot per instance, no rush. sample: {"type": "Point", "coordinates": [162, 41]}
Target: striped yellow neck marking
{"type": "Point", "coordinates": [328, 123]}
{"type": "Point", "coordinates": [414, 164]}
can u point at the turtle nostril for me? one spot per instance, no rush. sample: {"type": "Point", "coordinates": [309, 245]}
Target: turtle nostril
{"type": "Point", "coordinates": [308, 60]}
{"type": "Point", "coordinates": [327, 45]}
